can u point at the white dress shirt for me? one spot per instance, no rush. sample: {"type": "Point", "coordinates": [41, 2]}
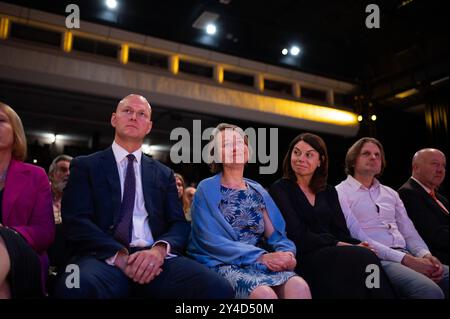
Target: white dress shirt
{"type": "Point", "coordinates": [377, 215]}
{"type": "Point", "coordinates": [141, 235]}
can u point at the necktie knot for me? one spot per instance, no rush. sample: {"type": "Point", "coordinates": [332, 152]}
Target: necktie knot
{"type": "Point", "coordinates": [130, 158]}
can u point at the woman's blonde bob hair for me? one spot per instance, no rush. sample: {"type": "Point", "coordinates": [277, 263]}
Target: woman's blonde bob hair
{"type": "Point", "coordinates": [19, 147]}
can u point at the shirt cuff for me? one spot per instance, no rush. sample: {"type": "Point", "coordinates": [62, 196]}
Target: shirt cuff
{"type": "Point", "coordinates": [422, 253]}
{"type": "Point", "coordinates": [111, 260]}
{"type": "Point", "coordinates": [395, 255]}
{"type": "Point", "coordinates": [168, 254]}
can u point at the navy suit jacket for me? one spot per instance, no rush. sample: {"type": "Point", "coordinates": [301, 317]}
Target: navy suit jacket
{"type": "Point", "coordinates": [91, 205]}
{"type": "Point", "coordinates": [428, 217]}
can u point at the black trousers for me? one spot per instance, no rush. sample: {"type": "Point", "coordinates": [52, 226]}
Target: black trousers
{"type": "Point", "coordinates": [24, 278]}
{"type": "Point", "coordinates": [340, 273]}
{"type": "Point", "coordinates": [181, 278]}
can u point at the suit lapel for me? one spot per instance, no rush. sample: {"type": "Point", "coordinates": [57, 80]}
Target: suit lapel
{"type": "Point", "coordinates": [16, 182]}
{"type": "Point", "coordinates": [109, 166]}
{"type": "Point", "coordinates": [427, 196]}
{"type": "Point", "coordinates": [443, 200]}
{"type": "Point", "coordinates": [148, 180]}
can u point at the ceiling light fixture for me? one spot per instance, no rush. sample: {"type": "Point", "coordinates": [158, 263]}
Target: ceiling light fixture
{"type": "Point", "coordinates": [111, 4]}
{"type": "Point", "coordinates": [211, 29]}
{"type": "Point", "coordinates": [205, 19]}
{"type": "Point", "coordinates": [406, 93]}
{"type": "Point", "coordinates": [295, 50]}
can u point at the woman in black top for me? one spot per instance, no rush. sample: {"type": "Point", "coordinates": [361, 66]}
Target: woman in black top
{"type": "Point", "coordinates": [333, 263]}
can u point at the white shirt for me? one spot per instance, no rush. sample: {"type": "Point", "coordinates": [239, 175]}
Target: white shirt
{"type": "Point", "coordinates": [141, 235]}
{"type": "Point", "coordinates": [377, 215]}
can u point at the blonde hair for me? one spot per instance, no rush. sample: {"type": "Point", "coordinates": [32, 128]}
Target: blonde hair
{"type": "Point", "coordinates": [19, 148]}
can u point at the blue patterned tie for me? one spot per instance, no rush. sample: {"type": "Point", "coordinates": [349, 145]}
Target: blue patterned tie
{"type": "Point", "coordinates": [123, 228]}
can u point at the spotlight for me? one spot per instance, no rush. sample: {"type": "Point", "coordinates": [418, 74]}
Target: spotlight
{"type": "Point", "coordinates": [373, 117]}
{"type": "Point", "coordinates": [360, 118]}
{"type": "Point", "coordinates": [295, 51]}
{"type": "Point", "coordinates": [211, 29]}
{"type": "Point", "coordinates": [284, 51]}
{"type": "Point", "coordinates": [111, 4]}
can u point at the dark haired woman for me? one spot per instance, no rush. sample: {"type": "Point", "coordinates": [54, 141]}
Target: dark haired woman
{"type": "Point", "coordinates": [333, 263]}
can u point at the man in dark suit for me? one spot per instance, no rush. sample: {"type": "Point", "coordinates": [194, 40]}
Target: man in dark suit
{"type": "Point", "coordinates": [425, 206]}
{"type": "Point", "coordinates": [125, 225]}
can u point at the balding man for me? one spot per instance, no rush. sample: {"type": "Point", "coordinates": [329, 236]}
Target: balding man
{"type": "Point", "coordinates": [425, 206]}
{"type": "Point", "coordinates": [124, 222]}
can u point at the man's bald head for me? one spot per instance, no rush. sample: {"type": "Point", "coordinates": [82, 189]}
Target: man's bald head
{"type": "Point", "coordinates": [132, 121]}
{"type": "Point", "coordinates": [428, 166]}
{"type": "Point", "coordinates": [133, 99]}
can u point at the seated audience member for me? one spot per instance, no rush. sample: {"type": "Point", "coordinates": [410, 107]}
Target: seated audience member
{"type": "Point", "coordinates": [179, 182]}
{"type": "Point", "coordinates": [233, 218]}
{"type": "Point", "coordinates": [427, 208]}
{"type": "Point", "coordinates": [189, 194]}
{"type": "Point", "coordinates": [26, 218]}
{"type": "Point", "coordinates": [381, 219]}
{"type": "Point", "coordinates": [331, 261]}
{"type": "Point", "coordinates": [181, 186]}
{"type": "Point", "coordinates": [124, 222]}
{"type": "Point", "coordinates": [58, 174]}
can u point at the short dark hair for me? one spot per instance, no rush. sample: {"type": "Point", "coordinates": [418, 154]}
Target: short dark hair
{"type": "Point", "coordinates": [355, 149]}
{"type": "Point", "coordinates": [319, 179]}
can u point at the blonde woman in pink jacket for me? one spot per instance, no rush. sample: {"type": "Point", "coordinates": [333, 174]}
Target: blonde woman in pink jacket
{"type": "Point", "coordinates": [26, 216]}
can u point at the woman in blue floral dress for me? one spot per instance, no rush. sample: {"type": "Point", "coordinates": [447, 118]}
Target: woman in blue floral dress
{"type": "Point", "coordinates": [237, 229]}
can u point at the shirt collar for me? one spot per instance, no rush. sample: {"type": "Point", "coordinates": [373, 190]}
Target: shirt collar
{"type": "Point", "coordinates": [423, 186]}
{"type": "Point", "coordinates": [356, 185]}
{"type": "Point", "coordinates": [120, 153]}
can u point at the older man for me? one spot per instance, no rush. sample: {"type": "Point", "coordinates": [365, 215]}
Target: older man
{"type": "Point", "coordinates": [58, 174]}
{"type": "Point", "coordinates": [425, 206]}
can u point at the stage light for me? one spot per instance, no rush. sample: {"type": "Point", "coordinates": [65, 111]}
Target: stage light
{"type": "Point", "coordinates": [295, 51]}
{"type": "Point", "coordinates": [111, 4]}
{"type": "Point", "coordinates": [211, 29]}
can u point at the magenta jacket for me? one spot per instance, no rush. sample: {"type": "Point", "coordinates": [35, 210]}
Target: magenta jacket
{"type": "Point", "coordinates": [27, 208]}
